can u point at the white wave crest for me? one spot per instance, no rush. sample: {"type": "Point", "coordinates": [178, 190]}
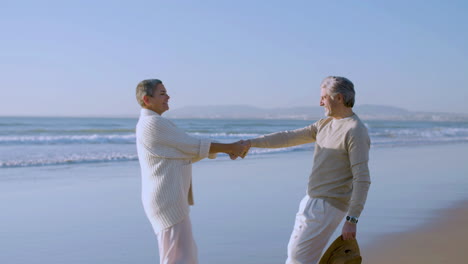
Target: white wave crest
{"type": "Point", "coordinates": [69, 159]}
{"type": "Point", "coordinates": [68, 139]}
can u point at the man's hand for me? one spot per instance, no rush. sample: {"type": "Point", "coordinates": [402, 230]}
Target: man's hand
{"type": "Point", "coordinates": [247, 146]}
{"type": "Point", "coordinates": [232, 156]}
{"type": "Point", "coordinates": [349, 231]}
{"type": "Point", "coordinates": [240, 149]}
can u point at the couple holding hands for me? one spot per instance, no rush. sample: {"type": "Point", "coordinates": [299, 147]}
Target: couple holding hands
{"type": "Point", "coordinates": [337, 188]}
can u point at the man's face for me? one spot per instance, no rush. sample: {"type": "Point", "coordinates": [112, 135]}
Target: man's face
{"type": "Point", "coordinates": [330, 105]}
{"type": "Point", "coordinates": [159, 102]}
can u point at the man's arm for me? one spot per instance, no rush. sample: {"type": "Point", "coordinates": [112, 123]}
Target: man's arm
{"type": "Point", "coordinates": [286, 138]}
{"type": "Point", "coordinates": [361, 183]}
{"type": "Point", "coordinates": [358, 151]}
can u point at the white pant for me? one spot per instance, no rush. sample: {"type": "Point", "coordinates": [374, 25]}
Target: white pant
{"type": "Point", "coordinates": [316, 221]}
{"type": "Point", "coordinates": [176, 244]}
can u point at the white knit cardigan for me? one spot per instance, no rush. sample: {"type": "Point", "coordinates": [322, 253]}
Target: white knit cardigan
{"type": "Point", "coordinates": [166, 154]}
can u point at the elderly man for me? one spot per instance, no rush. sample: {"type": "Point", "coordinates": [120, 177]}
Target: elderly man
{"type": "Point", "coordinates": [339, 181]}
{"type": "Point", "coordinates": [166, 154]}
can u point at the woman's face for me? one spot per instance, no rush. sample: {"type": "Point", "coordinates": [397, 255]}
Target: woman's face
{"type": "Point", "coordinates": [159, 102]}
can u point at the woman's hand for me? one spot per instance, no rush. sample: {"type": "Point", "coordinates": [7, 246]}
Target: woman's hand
{"type": "Point", "coordinates": [234, 150]}
{"type": "Point", "coordinates": [239, 149]}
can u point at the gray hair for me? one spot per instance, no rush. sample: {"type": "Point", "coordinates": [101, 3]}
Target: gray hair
{"type": "Point", "coordinates": [340, 85]}
{"type": "Point", "coordinates": [146, 87]}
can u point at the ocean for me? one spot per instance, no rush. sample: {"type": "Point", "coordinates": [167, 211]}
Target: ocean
{"type": "Point", "coordinates": [43, 141]}
{"type": "Point", "coordinates": [71, 189]}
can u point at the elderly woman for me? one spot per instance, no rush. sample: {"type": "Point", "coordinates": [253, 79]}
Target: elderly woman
{"type": "Point", "coordinates": [166, 154]}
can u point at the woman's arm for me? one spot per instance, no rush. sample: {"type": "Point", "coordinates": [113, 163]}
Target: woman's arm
{"type": "Point", "coordinates": [236, 149]}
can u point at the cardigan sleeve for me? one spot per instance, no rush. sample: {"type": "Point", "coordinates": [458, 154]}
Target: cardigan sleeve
{"type": "Point", "coordinates": [210, 156]}
{"type": "Point", "coordinates": [165, 139]}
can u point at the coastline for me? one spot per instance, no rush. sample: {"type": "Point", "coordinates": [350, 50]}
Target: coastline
{"type": "Point", "coordinates": [244, 210]}
{"type": "Point", "coordinates": [441, 240]}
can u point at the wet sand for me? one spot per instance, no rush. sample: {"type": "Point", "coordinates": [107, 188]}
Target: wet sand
{"type": "Point", "coordinates": [442, 240]}
{"type": "Point", "coordinates": [244, 210]}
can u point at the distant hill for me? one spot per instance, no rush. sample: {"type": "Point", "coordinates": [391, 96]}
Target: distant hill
{"type": "Point", "coordinates": [366, 112]}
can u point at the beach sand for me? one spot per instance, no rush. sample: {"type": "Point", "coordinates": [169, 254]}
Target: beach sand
{"type": "Point", "coordinates": [442, 240]}
{"type": "Point", "coordinates": [244, 210]}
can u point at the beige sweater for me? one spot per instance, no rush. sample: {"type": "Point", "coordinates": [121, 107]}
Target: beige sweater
{"type": "Point", "coordinates": [166, 154]}
{"type": "Point", "coordinates": [340, 172]}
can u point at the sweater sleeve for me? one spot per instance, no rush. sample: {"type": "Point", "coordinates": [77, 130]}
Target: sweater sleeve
{"type": "Point", "coordinates": [361, 184]}
{"type": "Point", "coordinates": [358, 150]}
{"type": "Point", "coordinates": [163, 134]}
{"type": "Point", "coordinates": [286, 138]}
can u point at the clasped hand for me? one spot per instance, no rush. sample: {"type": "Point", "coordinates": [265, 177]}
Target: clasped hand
{"type": "Point", "coordinates": [240, 149]}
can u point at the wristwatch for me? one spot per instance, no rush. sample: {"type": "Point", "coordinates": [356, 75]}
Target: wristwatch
{"type": "Point", "coordinates": [352, 219]}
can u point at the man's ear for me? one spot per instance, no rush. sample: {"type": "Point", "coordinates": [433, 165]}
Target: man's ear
{"type": "Point", "coordinates": [340, 97]}
{"type": "Point", "coordinates": [146, 100]}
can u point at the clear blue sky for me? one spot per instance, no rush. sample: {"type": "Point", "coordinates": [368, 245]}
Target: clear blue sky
{"type": "Point", "coordinates": [86, 57]}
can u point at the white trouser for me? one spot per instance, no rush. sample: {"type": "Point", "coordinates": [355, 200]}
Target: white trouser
{"type": "Point", "coordinates": [316, 221]}
{"type": "Point", "coordinates": [176, 244]}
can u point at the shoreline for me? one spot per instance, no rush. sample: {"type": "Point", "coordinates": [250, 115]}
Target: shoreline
{"type": "Point", "coordinates": [244, 210]}
{"type": "Point", "coordinates": [439, 240]}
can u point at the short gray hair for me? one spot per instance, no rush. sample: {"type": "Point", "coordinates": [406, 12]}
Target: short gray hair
{"type": "Point", "coordinates": [340, 85]}
{"type": "Point", "coordinates": [146, 87]}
